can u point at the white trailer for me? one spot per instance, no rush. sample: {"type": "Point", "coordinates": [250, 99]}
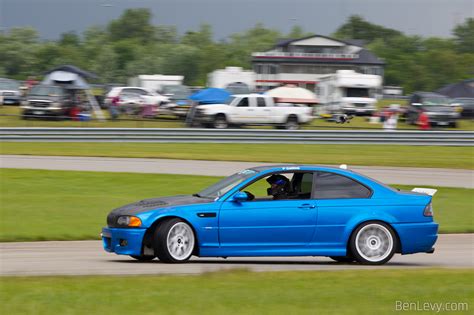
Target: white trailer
{"type": "Point", "coordinates": [154, 82]}
{"type": "Point", "coordinates": [349, 92]}
{"type": "Point", "coordinates": [232, 77]}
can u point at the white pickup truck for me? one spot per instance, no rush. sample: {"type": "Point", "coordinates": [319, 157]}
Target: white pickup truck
{"type": "Point", "coordinates": [253, 109]}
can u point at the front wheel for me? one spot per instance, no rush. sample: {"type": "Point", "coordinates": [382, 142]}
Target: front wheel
{"type": "Point", "coordinates": [174, 241]}
{"type": "Point", "coordinates": [220, 122]}
{"type": "Point", "coordinates": [373, 243]}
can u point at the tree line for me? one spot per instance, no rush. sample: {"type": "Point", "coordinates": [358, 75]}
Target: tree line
{"type": "Point", "coordinates": [132, 45]}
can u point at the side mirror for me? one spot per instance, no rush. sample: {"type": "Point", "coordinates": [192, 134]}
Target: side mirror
{"type": "Point", "coordinates": [240, 197]}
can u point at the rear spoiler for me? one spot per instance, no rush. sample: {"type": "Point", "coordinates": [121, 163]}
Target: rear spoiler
{"type": "Point", "coordinates": [427, 191]}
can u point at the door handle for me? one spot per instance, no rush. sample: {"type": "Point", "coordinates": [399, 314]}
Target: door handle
{"type": "Point", "coordinates": [307, 206]}
{"type": "Point", "coordinates": [250, 110]}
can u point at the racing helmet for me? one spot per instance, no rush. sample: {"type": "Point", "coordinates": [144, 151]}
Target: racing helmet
{"type": "Point", "coordinates": [280, 185]}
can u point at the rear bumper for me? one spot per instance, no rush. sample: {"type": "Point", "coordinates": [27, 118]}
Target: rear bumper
{"type": "Point", "coordinates": [417, 237]}
{"type": "Point", "coordinates": [123, 241]}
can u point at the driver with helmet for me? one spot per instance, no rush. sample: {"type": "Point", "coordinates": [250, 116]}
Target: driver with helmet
{"type": "Point", "coordinates": [279, 187]}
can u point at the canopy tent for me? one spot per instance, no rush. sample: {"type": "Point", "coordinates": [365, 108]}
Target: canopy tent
{"type": "Point", "coordinates": [73, 78]}
{"type": "Point", "coordinates": [210, 96]}
{"type": "Point", "coordinates": [73, 69]}
{"type": "Point", "coordinates": [68, 80]}
{"type": "Point", "coordinates": [461, 89]}
{"type": "Point", "coordinates": [293, 94]}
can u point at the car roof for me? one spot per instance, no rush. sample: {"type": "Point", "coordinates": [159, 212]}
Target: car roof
{"type": "Point", "coordinates": [293, 167]}
{"type": "Point", "coordinates": [429, 94]}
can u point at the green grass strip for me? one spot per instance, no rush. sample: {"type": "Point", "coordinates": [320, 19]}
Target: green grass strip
{"type": "Point", "coordinates": [240, 292]}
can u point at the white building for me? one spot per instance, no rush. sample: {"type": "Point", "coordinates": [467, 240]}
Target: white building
{"type": "Point", "coordinates": [304, 61]}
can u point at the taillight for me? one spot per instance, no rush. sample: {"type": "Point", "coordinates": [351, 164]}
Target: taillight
{"type": "Point", "coordinates": [428, 212]}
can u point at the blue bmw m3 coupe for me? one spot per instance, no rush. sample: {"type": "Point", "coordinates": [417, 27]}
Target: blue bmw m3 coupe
{"type": "Point", "coordinates": [290, 210]}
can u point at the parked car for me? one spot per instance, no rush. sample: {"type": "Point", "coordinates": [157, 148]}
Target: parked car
{"type": "Point", "coordinates": [153, 97]}
{"type": "Point", "coordinates": [466, 104]}
{"type": "Point", "coordinates": [46, 101]}
{"type": "Point", "coordinates": [436, 106]}
{"type": "Point", "coordinates": [253, 109]}
{"type": "Point", "coordinates": [290, 210]}
{"type": "Point", "coordinates": [10, 93]}
{"type": "Point", "coordinates": [179, 100]}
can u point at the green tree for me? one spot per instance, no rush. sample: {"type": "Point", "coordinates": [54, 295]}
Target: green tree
{"type": "Point", "coordinates": [358, 28]}
{"type": "Point", "coordinates": [464, 36]}
{"type": "Point", "coordinates": [69, 39]}
{"type": "Point", "coordinates": [297, 32]}
{"type": "Point", "coordinates": [132, 24]}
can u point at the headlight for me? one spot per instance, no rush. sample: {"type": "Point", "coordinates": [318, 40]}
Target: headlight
{"type": "Point", "coordinates": [130, 221]}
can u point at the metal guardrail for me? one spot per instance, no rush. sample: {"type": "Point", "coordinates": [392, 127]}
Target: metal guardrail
{"type": "Point", "coordinates": [443, 138]}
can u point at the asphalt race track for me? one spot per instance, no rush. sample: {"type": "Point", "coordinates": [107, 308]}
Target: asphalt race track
{"type": "Point", "coordinates": [88, 258]}
{"type": "Point", "coordinates": [390, 175]}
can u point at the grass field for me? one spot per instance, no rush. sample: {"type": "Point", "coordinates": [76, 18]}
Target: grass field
{"type": "Point", "coordinates": [374, 155]}
{"type": "Point", "coordinates": [70, 205]}
{"type": "Point", "coordinates": [170, 122]}
{"type": "Point", "coordinates": [240, 292]}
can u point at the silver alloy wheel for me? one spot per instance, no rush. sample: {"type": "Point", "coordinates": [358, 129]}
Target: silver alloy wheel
{"type": "Point", "coordinates": [374, 242]}
{"type": "Point", "coordinates": [180, 241]}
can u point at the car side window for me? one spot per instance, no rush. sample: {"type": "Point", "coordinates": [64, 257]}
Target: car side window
{"type": "Point", "coordinates": [298, 186]}
{"type": "Point", "coordinates": [261, 102]}
{"type": "Point", "coordinates": [243, 102]}
{"type": "Point", "coordinates": [334, 186]}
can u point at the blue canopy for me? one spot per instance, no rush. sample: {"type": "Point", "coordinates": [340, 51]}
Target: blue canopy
{"type": "Point", "coordinates": [210, 96]}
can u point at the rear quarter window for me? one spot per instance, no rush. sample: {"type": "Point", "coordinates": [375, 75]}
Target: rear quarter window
{"type": "Point", "coordinates": [334, 186]}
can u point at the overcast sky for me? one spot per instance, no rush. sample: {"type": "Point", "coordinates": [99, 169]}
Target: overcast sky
{"type": "Point", "coordinates": [421, 17]}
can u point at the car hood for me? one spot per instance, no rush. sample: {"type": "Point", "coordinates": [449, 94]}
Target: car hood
{"type": "Point", "coordinates": [438, 108]}
{"type": "Point", "coordinates": [41, 98]}
{"type": "Point", "coordinates": [153, 204]}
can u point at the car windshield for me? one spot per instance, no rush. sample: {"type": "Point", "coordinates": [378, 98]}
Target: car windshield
{"type": "Point", "coordinates": [435, 101]}
{"type": "Point", "coordinates": [230, 100]}
{"type": "Point", "coordinates": [42, 90]}
{"type": "Point", "coordinates": [179, 92]}
{"type": "Point", "coordinates": [222, 187]}
{"type": "Point", "coordinates": [9, 85]}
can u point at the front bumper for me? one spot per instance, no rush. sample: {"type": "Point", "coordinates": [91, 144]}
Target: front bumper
{"type": "Point", "coordinates": [358, 110]}
{"type": "Point", "coordinates": [417, 237]}
{"type": "Point", "coordinates": [11, 99]}
{"type": "Point", "coordinates": [123, 241]}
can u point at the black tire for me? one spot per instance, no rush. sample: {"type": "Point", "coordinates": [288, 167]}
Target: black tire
{"type": "Point", "coordinates": [453, 124]}
{"type": "Point", "coordinates": [220, 122]}
{"type": "Point", "coordinates": [411, 119]}
{"type": "Point", "coordinates": [342, 259]}
{"type": "Point", "coordinates": [143, 258]}
{"type": "Point", "coordinates": [160, 239]}
{"type": "Point", "coordinates": [292, 123]}
{"type": "Point", "coordinates": [368, 229]}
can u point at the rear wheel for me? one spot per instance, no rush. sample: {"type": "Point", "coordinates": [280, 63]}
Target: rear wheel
{"type": "Point", "coordinates": [292, 123]}
{"type": "Point", "coordinates": [373, 243]}
{"type": "Point", "coordinates": [174, 241]}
